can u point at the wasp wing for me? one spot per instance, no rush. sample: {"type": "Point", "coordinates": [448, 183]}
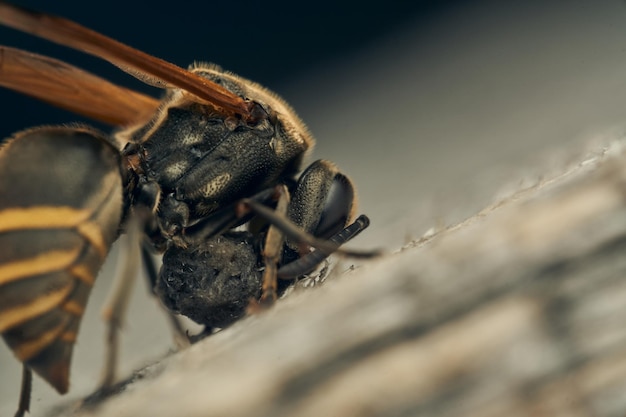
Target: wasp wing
{"type": "Point", "coordinates": [147, 68]}
{"type": "Point", "coordinates": [71, 88]}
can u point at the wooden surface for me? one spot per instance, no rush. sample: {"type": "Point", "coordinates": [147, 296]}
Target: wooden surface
{"type": "Point", "coordinates": [517, 311]}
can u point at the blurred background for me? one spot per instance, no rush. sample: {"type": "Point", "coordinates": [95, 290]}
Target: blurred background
{"type": "Point", "coordinates": [434, 108]}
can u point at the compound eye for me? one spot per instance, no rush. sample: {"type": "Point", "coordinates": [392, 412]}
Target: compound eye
{"type": "Point", "coordinates": [323, 200]}
{"type": "Point", "coordinates": [338, 206]}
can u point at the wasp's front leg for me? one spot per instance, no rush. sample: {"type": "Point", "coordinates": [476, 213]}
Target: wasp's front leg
{"type": "Point", "coordinates": [114, 309]}
{"type": "Point", "coordinates": [272, 251]}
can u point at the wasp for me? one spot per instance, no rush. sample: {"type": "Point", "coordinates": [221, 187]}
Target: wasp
{"type": "Point", "coordinates": [210, 176]}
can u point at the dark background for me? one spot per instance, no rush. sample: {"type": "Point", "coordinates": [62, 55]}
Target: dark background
{"type": "Point", "coordinates": [268, 42]}
{"type": "Point", "coordinates": [434, 108]}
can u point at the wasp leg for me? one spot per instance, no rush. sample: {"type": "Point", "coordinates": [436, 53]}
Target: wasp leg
{"type": "Point", "coordinates": [25, 391]}
{"type": "Point", "coordinates": [262, 205]}
{"type": "Point", "coordinates": [272, 250]}
{"type": "Point", "coordinates": [308, 262]}
{"type": "Point", "coordinates": [147, 199]}
{"type": "Point", "coordinates": [226, 218]}
{"type": "Point", "coordinates": [303, 239]}
{"type": "Point", "coordinates": [181, 338]}
{"type": "Point", "coordinates": [115, 307]}
{"type": "Point", "coordinates": [116, 304]}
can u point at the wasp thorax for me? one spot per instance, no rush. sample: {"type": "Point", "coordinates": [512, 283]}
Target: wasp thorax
{"type": "Point", "coordinates": [202, 160]}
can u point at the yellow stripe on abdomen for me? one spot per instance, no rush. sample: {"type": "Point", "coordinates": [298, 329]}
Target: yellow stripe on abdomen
{"type": "Point", "coordinates": [41, 217]}
{"type": "Point", "coordinates": [52, 217]}
{"type": "Point", "coordinates": [28, 349]}
{"type": "Point", "coordinates": [46, 262]}
{"type": "Point", "coordinates": [22, 313]}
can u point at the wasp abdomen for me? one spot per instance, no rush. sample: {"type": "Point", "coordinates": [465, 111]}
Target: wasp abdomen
{"type": "Point", "coordinates": [60, 208]}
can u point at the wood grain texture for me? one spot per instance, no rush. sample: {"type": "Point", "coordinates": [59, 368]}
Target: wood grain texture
{"type": "Point", "coordinates": [517, 311]}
